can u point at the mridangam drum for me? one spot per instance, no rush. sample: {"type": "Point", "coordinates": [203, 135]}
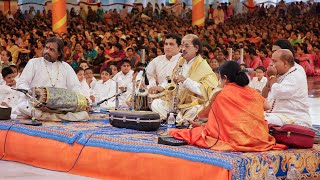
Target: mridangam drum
{"type": "Point", "coordinates": [59, 100]}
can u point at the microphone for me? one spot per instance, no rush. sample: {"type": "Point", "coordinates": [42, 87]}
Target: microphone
{"type": "Point", "coordinates": [104, 100]}
{"type": "Point", "coordinates": [24, 91]}
{"type": "Point", "coordinates": [144, 75]}
{"type": "Point", "coordinates": [247, 70]}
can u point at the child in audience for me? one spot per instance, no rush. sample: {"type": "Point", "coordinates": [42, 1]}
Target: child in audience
{"type": "Point", "coordinates": [84, 65]}
{"type": "Point", "coordinates": [8, 97]}
{"type": "Point", "coordinates": [105, 88]}
{"type": "Point", "coordinates": [259, 81]}
{"type": "Point", "coordinates": [90, 79]}
{"type": "Point", "coordinates": [15, 70]}
{"type": "Point", "coordinates": [84, 87]}
{"type": "Point", "coordinates": [124, 80]}
{"type": "Point", "coordinates": [114, 70]}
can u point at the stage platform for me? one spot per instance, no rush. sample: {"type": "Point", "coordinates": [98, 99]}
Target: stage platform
{"type": "Point", "coordinates": [96, 149]}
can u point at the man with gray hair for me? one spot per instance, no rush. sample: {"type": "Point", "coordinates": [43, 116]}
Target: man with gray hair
{"type": "Point", "coordinates": [287, 91]}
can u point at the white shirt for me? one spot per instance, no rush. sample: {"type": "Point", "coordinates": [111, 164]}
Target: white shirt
{"type": "Point", "coordinates": [290, 96]}
{"type": "Point", "coordinates": [259, 85]}
{"type": "Point", "coordinates": [9, 96]}
{"type": "Point", "coordinates": [42, 73]}
{"type": "Point", "coordinates": [85, 89]}
{"type": "Point", "coordinates": [93, 83]}
{"type": "Point", "coordinates": [160, 67]}
{"type": "Point", "coordinates": [103, 90]}
{"type": "Point", "coordinates": [124, 80]}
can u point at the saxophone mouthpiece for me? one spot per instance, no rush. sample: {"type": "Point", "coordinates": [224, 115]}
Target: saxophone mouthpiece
{"type": "Point", "coordinates": [183, 53]}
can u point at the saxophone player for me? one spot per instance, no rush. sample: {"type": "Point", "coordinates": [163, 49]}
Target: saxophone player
{"type": "Point", "coordinates": [195, 80]}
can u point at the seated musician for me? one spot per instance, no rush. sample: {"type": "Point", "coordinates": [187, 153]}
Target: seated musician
{"type": "Point", "coordinates": [195, 80]}
{"type": "Point", "coordinates": [287, 91]}
{"type": "Point", "coordinates": [162, 66]}
{"type": "Point", "coordinates": [235, 117]}
{"type": "Point", "coordinates": [49, 71]}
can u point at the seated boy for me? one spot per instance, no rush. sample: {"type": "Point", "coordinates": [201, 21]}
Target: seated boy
{"type": "Point", "coordinates": [124, 79]}
{"type": "Point", "coordinates": [84, 87]}
{"type": "Point", "coordinates": [105, 88]}
{"type": "Point", "coordinates": [8, 97]}
{"type": "Point", "coordinates": [91, 80]}
{"type": "Point", "coordinates": [259, 81]}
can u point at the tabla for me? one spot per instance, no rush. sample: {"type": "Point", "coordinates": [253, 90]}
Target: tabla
{"type": "Point", "coordinates": [60, 100]}
{"type": "Point", "coordinates": [140, 100]}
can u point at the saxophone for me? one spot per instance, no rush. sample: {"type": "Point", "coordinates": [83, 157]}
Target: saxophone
{"type": "Point", "coordinates": [173, 91]}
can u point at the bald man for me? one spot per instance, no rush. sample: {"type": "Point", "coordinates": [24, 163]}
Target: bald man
{"type": "Point", "coordinates": [194, 79]}
{"type": "Point", "coordinates": [287, 91]}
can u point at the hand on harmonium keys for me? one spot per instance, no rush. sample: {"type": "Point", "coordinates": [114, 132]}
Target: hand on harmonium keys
{"type": "Point", "coordinates": [155, 89]}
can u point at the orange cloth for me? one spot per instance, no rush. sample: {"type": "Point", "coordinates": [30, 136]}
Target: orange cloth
{"type": "Point", "coordinates": [238, 123]}
{"type": "Point", "coordinates": [103, 163]}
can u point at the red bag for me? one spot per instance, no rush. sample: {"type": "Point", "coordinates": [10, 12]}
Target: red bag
{"type": "Point", "coordinates": [293, 135]}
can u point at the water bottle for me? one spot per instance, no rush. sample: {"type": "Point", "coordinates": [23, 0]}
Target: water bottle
{"type": "Point", "coordinates": [270, 175]}
{"type": "Point", "coordinates": [292, 174]}
{"type": "Point", "coordinates": [171, 122]}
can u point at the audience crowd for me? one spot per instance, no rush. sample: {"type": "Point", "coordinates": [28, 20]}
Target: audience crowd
{"type": "Point", "coordinates": [98, 39]}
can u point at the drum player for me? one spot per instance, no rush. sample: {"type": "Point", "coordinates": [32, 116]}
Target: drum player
{"type": "Point", "coordinates": [48, 71]}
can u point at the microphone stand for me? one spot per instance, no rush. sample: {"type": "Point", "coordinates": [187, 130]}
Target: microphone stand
{"type": "Point", "coordinates": [104, 100]}
{"type": "Point", "coordinates": [33, 100]}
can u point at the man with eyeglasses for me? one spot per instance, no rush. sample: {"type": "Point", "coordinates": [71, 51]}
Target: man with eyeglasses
{"type": "Point", "coordinates": [195, 80]}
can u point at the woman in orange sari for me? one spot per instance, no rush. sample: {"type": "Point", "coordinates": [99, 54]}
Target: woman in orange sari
{"type": "Point", "coordinates": [235, 117]}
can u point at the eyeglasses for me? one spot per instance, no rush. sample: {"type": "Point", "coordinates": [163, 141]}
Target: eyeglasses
{"type": "Point", "coordinates": [185, 46]}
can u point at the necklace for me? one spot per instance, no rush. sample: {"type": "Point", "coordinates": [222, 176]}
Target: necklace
{"type": "Point", "coordinates": [52, 84]}
{"type": "Point", "coordinates": [280, 81]}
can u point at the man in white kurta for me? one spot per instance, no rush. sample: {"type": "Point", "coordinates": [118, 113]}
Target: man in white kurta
{"type": "Point", "coordinates": [48, 71]}
{"type": "Point", "coordinates": [287, 93]}
{"type": "Point", "coordinates": [162, 66]}
{"type": "Point", "coordinates": [41, 73]}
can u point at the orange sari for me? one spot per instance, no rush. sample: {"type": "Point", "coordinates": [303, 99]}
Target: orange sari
{"type": "Point", "coordinates": [237, 123]}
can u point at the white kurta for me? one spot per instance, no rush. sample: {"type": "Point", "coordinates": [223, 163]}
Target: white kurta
{"type": "Point", "coordinates": [124, 80]}
{"type": "Point", "coordinates": [160, 67]}
{"type": "Point", "coordinates": [259, 85]}
{"type": "Point", "coordinates": [42, 73]}
{"type": "Point", "coordinates": [103, 90]}
{"type": "Point", "coordinates": [289, 98]}
{"type": "Point", "coordinates": [160, 106]}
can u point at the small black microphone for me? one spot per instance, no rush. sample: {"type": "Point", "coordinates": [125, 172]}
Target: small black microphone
{"type": "Point", "coordinates": [21, 90]}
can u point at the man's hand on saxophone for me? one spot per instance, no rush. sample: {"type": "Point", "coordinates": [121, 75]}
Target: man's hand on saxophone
{"type": "Point", "coordinates": [156, 89]}
{"type": "Point", "coordinates": [179, 79]}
